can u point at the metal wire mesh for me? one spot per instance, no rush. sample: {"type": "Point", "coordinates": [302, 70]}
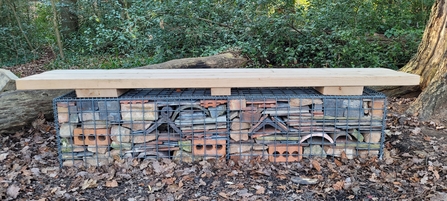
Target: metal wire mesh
{"type": "Point", "coordinates": [275, 124]}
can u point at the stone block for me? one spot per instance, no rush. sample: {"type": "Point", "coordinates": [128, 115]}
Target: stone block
{"type": "Point", "coordinates": [329, 103]}
{"type": "Point", "coordinates": [237, 104]}
{"type": "Point", "coordinates": [353, 112]}
{"type": "Point", "coordinates": [372, 137]}
{"type": "Point", "coordinates": [120, 134]}
{"type": "Point", "coordinates": [139, 112]}
{"type": "Point", "coordinates": [66, 130]}
{"type": "Point", "coordinates": [137, 125]}
{"type": "Point", "coordinates": [239, 148]}
{"type": "Point", "coordinates": [217, 111]}
{"type": "Point", "coordinates": [121, 146]}
{"type": "Point", "coordinates": [97, 149]}
{"type": "Point", "coordinates": [95, 124]}
{"type": "Point", "coordinates": [109, 110]}
{"type": "Point", "coordinates": [352, 103]}
{"type": "Point", "coordinates": [144, 138]}
{"type": "Point", "coordinates": [237, 125]}
{"type": "Point", "coordinates": [88, 116]}
{"type": "Point", "coordinates": [334, 112]}
{"type": "Point", "coordinates": [337, 151]}
{"type": "Point", "coordinates": [7, 80]}
{"type": "Point", "coordinates": [89, 105]}
{"type": "Point", "coordinates": [314, 151]}
{"type": "Point", "coordinates": [296, 102]}
{"type": "Point", "coordinates": [239, 135]}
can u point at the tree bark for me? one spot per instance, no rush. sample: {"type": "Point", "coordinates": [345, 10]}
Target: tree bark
{"type": "Point", "coordinates": [430, 63]}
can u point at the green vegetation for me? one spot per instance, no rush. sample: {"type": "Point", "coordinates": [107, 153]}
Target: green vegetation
{"type": "Point", "coordinates": [271, 33]}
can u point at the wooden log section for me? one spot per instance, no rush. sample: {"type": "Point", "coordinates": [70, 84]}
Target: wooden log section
{"type": "Point", "coordinates": [344, 81]}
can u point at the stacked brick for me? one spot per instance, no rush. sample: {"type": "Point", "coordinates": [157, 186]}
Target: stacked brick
{"type": "Point", "coordinates": [95, 131]}
{"type": "Point", "coordinates": [288, 129]}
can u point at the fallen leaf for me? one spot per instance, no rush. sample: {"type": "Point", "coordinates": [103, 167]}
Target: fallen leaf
{"type": "Point", "coordinates": [303, 180]}
{"type": "Point", "coordinates": [338, 185]}
{"type": "Point", "coordinates": [169, 181]}
{"type": "Point", "coordinates": [416, 130]}
{"type": "Point", "coordinates": [259, 190]}
{"type": "Point", "coordinates": [337, 162]}
{"type": "Point", "coordinates": [427, 138]}
{"type": "Point", "coordinates": [316, 165]}
{"type": "Point", "coordinates": [343, 155]}
{"type": "Point", "coordinates": [157, 167]}
{"type": "Point", "coordinates": [13, 191]}
{"type": "Point", "coordinates": [424, 179]}
{"type": "Point", "coordinates": [3, 156]}
{"type": "Point", "coordinates": [435, 172]}
{"type": "Point", "coordinates": [224, 195]}
{"type": "Point", "coordinates": [89, 183]}
{"type": "Point", "coordinates": [112, 184]}
{"type": "Point", "coordinates": [244, 193]}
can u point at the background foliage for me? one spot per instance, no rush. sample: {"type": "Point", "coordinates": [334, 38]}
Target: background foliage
{"type": "Point", "coordinates": [271, 33]}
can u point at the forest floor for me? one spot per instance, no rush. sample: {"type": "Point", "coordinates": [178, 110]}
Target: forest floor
{"type": "Point", "coordinates": [413, 167]}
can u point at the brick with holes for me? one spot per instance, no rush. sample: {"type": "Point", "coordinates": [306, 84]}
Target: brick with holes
{"type": "Point", "coordinates": [91, 136]}
{"type": "Point", "coordinates": [209, 147]}
{"type": "Point", "coordinates": [285, 153]}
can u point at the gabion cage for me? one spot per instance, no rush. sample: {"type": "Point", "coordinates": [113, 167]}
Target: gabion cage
{"type": "Point", "coordinates": [274, 124]}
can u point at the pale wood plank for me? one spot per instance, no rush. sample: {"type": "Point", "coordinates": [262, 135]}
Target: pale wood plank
{"type": "Point", "coordinates": [340, 90]}
{"type": "Point", "coordinates": [85, 93]}
{"type": "Point", "coordinates": [214, 78]}
{"type": "Point", "coordinates": [220, 91]}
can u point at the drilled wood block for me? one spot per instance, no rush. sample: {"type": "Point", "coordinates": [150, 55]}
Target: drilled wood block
{"type": "Point", "coordinates": [210, 147]}
{"type": "Point", "coordinates": [91, 136]}
{"type": "Point", "coordinates": [285, 153]}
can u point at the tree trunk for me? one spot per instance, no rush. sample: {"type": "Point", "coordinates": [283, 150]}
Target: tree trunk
{"type": "Point", "coordinates": [20, 108]}
{"type": "Point", "coordinates": [430, 63]}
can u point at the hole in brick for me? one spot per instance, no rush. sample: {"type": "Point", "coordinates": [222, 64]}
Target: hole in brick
{"type": "Point", "coordinates": [219, 147]}
{"type": "Point", "coordinates": [295, 154]}
{"type": "Point", "coordinates": [276, 154]}
{"type": "Point", "coordinates": [81, 137]}
{"type": "Point", "coordinates": [209, 147]}
{"type": "Point", "coordinates": [285, 154]}
{"type": "Point", "coordinates": [91, 138]}
{"type": "Point", "coordinates": [102, 138]}
{"type": "Point", "coordinates": [199, 147]}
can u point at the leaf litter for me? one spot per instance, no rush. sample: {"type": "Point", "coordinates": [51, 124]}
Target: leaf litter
{"type": "Point", "coordinates": [413, 167]}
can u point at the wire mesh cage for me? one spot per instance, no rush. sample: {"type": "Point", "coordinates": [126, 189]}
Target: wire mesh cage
{"type": "Point", "coordinates": [274, 124]}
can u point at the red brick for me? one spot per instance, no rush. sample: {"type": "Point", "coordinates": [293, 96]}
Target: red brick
{"type": "Point", "coordinates": [285, 153]}
{"type": "Point", "coordinates": [209, 147]}
{"type": "Point", "coordinates": [91, 136]}
{"type": "Point", "coordinates": [211, 103]}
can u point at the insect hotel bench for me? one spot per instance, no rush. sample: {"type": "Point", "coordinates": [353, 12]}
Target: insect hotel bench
{"type": "Point", "coordinates": [279, 115]}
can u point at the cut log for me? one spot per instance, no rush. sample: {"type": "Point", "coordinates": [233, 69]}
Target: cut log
{"type": "Point", "coordinates": [226, 60]}
{"type": "Point", "coordinates": [20, 108]}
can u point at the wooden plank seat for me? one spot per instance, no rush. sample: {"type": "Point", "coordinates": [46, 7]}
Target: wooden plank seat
{"type": "Point", "coordinates": [113, 83]}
